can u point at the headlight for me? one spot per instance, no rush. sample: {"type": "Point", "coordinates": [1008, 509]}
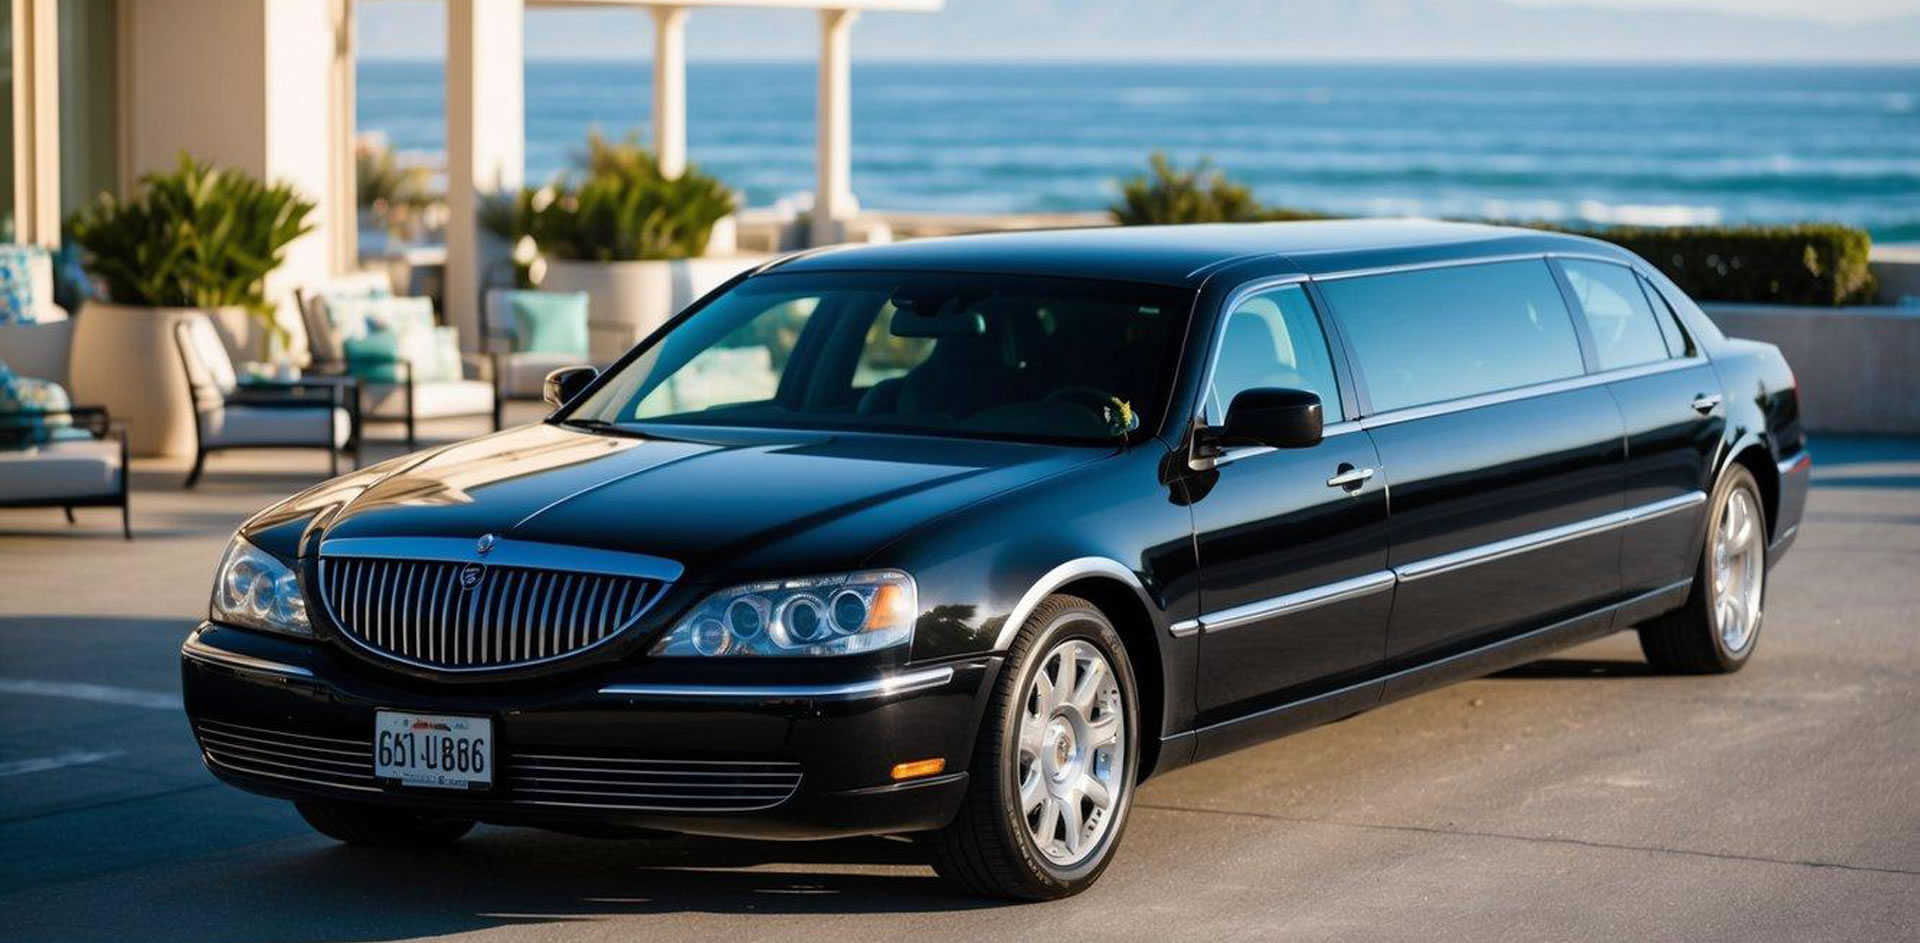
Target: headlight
{"type": "Point", "coordinates": [827, 615]}
{"type": "Point", "coordinates": [256, 590]}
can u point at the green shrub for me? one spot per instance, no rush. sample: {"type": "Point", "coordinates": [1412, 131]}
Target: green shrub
{"type": "Point", "coordinates": [619, 209]}
{"type": "Point", "coordinates": [1167, 194]}
{"type": "Point", "coordinates": [194, 237]}
{"type": "Point", "coordinates": [399, 194]}
{"type": "Point", "coordinates": [1805, 264]}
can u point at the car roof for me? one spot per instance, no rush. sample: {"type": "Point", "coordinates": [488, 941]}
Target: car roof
{"type": "Point", "coordinates": [1187, 255]}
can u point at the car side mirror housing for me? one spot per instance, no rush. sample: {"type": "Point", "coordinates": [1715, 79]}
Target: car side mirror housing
{"type": "Point", "coordinates": [566, 383]}
{"type": "Point", "coordinates": [1275, 417]}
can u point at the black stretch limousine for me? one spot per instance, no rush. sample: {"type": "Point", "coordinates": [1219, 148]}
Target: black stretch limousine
{"type": "Point", "coordinates": [966, 537]}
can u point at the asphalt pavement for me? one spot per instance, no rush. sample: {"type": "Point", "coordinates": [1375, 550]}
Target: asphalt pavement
{"type": "Point", "coordinates": [1577, 798]}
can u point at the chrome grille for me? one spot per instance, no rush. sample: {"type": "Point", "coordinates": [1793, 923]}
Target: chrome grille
{"type": "Point", "coordinates": [423, 611]}
{"type": "Point", "coordinates": [278, 754]}
{"type": "Point", "coordinates": [600, 782]}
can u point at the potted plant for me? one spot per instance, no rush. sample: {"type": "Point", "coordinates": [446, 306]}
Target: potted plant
{"type": "Point", "coordinates": [192, 242]}
{"type": "Point", "coordinates": [641, 245]}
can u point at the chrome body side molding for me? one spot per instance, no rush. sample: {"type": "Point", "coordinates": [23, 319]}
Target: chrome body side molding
{"type": "Point", "coordinates": [883, 687]}
{"type": "Point", "coordinates": [1382, 580]}
{"type": "Point", "coordinates": [1364, 585]}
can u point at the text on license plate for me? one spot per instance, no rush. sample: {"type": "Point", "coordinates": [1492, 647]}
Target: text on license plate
{"type": "Point", "coordinates": [437, 750]}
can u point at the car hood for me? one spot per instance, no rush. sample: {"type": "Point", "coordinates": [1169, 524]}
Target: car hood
{"type": "Point", "coordinates": [721, 503]}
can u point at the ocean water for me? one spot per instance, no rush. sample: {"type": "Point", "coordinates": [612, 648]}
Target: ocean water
{"type": "Point", "coordinates": [1603, 144]}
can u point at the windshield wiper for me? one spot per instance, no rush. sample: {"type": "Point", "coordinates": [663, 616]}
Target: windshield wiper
{"type": "Point", "coordinates": [602, 425]}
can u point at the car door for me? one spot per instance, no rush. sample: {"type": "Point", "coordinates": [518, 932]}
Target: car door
{"type": "Point", "coordinates": [1292, 543]}
{"type": "Point", "coordinates": [1503, 458]}
{"type": "Point", "coordinates": [1670, 401]}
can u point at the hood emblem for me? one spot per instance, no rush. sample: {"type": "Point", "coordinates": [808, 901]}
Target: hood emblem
{"type": "Point", "coordinates": [471, 574]}
{"type": "Point", "coordinates": [485, 544]}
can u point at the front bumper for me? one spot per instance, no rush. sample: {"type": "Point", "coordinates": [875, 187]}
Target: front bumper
{"type": "Point", "coordinates": [300, 714]}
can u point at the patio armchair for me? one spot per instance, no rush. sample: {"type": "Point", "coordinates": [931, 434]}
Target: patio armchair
{"type": "Point", "coordinates": [317, 412]}
{"type": "Point", "coordinates": [523, 373]}
{"type": "Point", "coordinates": [402, 393]}
{"type": "Point", "coordinates": [67, 458]}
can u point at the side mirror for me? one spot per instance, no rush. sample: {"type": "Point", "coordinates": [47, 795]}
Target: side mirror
{"type": "Point", "coordinates": [1280, 418]}
{"type": "Point", "coordinates": [566, 383]}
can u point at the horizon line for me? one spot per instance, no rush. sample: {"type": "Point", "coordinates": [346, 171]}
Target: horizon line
{"type": "Point", "coordinates": [1056, 60]}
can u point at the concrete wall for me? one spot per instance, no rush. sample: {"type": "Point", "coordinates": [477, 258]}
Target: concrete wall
{"type": "Point", "coordinates": [1897, 269]}
{"type": "Point", "coordinates": [1859, 368]}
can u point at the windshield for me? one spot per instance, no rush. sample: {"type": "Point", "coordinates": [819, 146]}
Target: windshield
{"type": "Point", "coordinates": [990, 356]}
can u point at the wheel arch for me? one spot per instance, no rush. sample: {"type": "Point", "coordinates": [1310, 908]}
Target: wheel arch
{"type": "Point", "coordinates": [1757, 459]}
{"type": "Point", "coordinates": [1119, 595]}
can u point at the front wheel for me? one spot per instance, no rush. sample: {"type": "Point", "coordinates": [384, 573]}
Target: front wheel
{"type": "Point", "coordinates": [1054, 763]}
{"type": "Point", "coordinates": [1715, 632]}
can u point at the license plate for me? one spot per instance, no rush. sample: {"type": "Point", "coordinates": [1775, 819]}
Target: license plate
{"type": "Point", "coordinates": [434, 750]}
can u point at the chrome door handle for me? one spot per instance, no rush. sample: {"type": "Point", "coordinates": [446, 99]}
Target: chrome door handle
{"type": "Point", "coordinates": [1350, 478]}
{"type": "Point", "coordinates": [1706, 403]}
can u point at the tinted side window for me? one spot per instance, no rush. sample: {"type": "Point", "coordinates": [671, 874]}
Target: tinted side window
{"type": "Point", "coordinates": [1273, 339]}
{"type": "Point", "coordinates": [1677, 340]}
{"type": "Point", "coordinates": [1438, 334]}
{"type": "Point", "coordinates": [1625, 332]}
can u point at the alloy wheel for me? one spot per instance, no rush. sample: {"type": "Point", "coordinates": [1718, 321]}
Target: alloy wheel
{"type": "Point", "coordinates": [1739, 571]}
{"type": "Point", "coordinates": [1071, 760]}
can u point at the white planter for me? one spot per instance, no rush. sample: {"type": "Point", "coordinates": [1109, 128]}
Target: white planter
{"type": "Point", "coordinates": [626, 301]}
{"type": "Point", "coordinates": [125, 358]}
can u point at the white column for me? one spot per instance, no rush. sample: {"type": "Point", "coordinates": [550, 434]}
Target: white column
{"type": "Point", "coordinates": [36, 121]}
{"type": "Point", "coordinates": [670, 89]}
{"type": "Point", "coordinates": [241, 85]}
{"type": "Point", "coordinates": [833, 202]}
{"type": "Point", "coordinates": [486, 141]}
{"type": "Point", "coordinates": [343, 214]}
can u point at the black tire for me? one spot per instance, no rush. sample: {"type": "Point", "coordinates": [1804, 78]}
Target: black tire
{"type": "Point", "coordinates": [1688, 640]}
{"type": "Point", "coordinates": [988, 849]}
{"type": "Point", "coordinates": [381, 827]}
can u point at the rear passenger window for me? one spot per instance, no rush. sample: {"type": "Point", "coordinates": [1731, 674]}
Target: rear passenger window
{"type": "Point", "coordinates": [1438, 334]}
{"type": "Point", "coordinates": [1678, 343]}
{"type": "Point", "coordinates": [1624, 329]}
{"type": "Point", "coordinates": [1273, 339]}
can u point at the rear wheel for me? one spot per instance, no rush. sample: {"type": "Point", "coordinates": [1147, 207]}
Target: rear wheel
{"type": "Point", "coordinates": [1054, 765]}
{"type": "Point", "coordinates": [1715, 632]}
{"type": "Point", "coordinates": [381, 827]}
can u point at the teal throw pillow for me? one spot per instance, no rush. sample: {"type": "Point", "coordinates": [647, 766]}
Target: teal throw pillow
{"type": "Point", "coordinates": [550, 322]}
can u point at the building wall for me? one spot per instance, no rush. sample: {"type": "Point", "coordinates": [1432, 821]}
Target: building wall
{"type": "Point", "coordinates": [244, 84]}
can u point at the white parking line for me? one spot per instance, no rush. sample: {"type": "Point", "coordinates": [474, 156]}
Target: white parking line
{"type": "Point", "coordinates": [44, 763]}
{"type": "Point", "coordinates": [104, 694]}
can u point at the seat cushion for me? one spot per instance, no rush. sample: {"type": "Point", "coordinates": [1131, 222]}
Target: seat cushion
{"type": "Point", "coordinates": [525, 375]}
{"type": "Point", "coordinates": [430, 400]}
{"type": "Point", "coordinates": [550, 322]}
{"type": "Point", "coordinates": [277, 425]}
{"type": "Point", "coordinates": [88, 468]}
{"type": "Point", "coordinates": [324, 342]}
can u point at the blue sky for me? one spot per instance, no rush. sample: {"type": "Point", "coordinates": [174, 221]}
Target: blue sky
{"type": "Point", "coordinates": [1471, 30]}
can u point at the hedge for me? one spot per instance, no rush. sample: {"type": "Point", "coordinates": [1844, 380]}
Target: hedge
{"type": "Point", "coordinates": [1805, 264]}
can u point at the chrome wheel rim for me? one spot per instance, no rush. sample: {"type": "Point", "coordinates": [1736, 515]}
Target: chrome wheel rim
{"type": "Point", "coordinates": [1739, 569]}
{"type": "Point", "coordinates": [1071, 764]}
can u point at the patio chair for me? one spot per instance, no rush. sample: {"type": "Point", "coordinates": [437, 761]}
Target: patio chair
{"type": "Point", "coordinates": [523, 373]}
{"type": "Point", "coordinates": [409, 397]}
{"type": "Point", "coordinates": [63, 456]}
{"type": "Point", "coordinates": [319, 412]}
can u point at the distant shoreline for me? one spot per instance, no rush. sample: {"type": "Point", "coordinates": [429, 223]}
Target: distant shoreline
{"type": "Point", "coordinates": [1226, 61]}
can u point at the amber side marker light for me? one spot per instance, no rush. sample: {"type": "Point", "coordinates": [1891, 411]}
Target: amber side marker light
{"type": "Point", "coordinates": [919, 768]}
